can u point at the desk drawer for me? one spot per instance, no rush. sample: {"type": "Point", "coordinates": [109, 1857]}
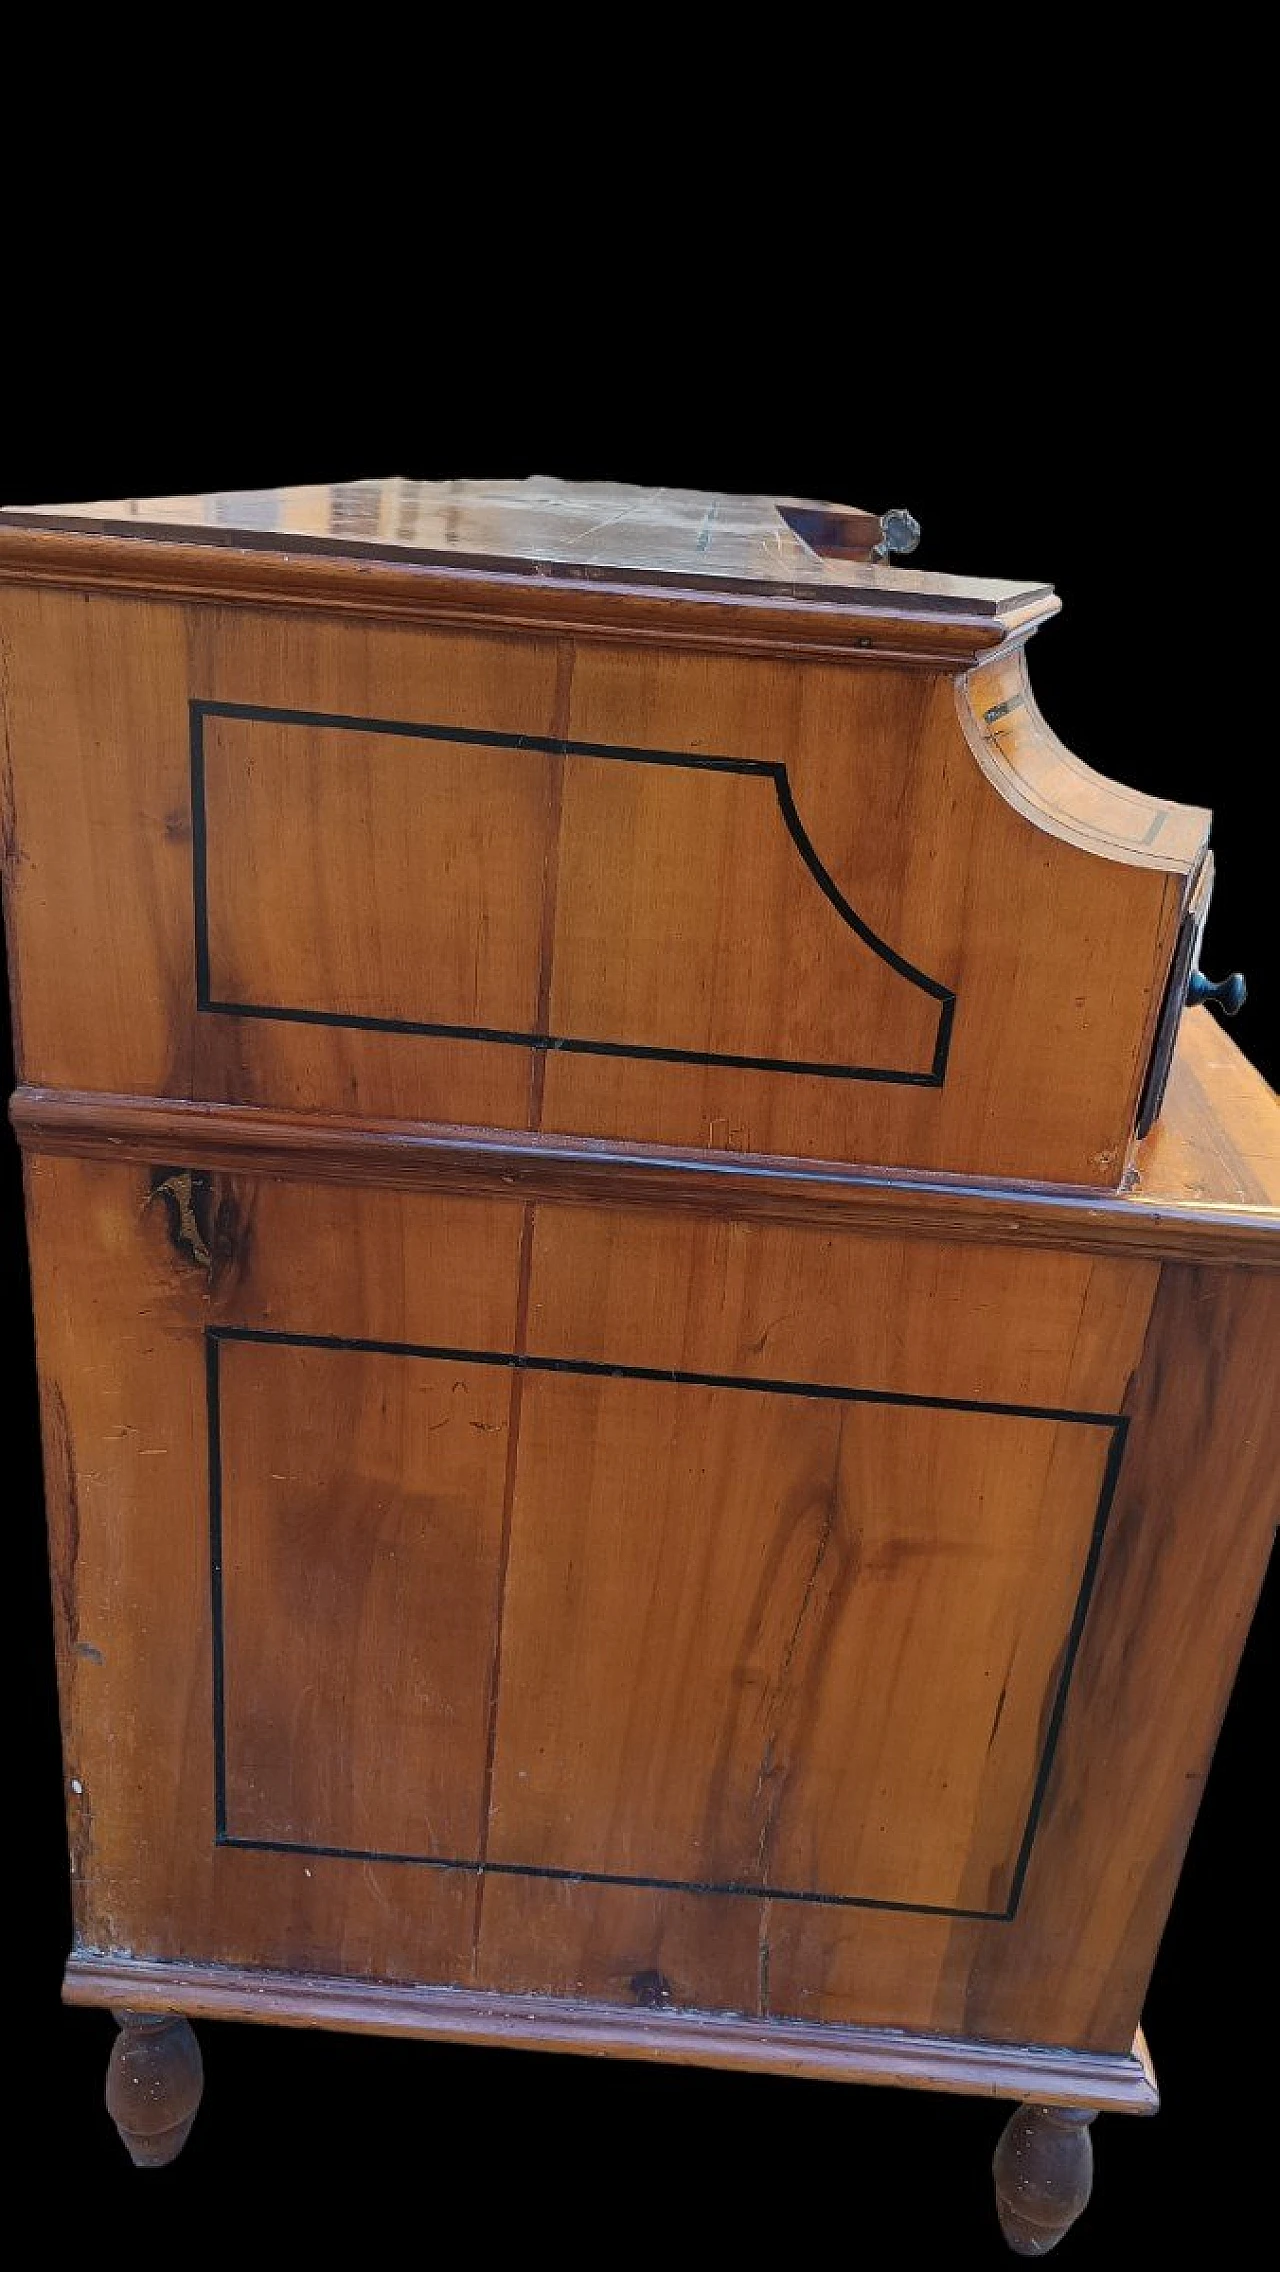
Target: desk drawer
{"type": "Point", "coordinates": [584, 1601]}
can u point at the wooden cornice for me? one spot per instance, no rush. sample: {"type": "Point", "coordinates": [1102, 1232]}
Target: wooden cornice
{"type": "Point", "coordinates": [951, 635]}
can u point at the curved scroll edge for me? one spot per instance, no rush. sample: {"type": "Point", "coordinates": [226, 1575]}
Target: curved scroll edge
{"type": "Point", "coordinates": [1033, 800]}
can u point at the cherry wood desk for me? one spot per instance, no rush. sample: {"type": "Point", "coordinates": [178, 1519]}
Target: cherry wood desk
{"type": "Point", "coordinates": [653, 1323]}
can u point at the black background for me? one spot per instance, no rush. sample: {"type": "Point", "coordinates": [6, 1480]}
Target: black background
{"type": "Point", "coordinates": [1057, 428]}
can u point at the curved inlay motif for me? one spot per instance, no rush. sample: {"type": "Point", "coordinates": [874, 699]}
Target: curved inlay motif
{"type": "Point", "coordinates": [668, 909]}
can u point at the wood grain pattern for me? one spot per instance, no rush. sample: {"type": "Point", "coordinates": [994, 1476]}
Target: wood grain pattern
{"type": "Point", "coordinates": [128, 1470]}
{"type": "Point", "coordinates": [1122, 2083]}
{"type": "Point", "coordinates": [1015, 745]}
{"type": "Point", "coordinates": [450, 843]}
{"type": "Point", "coordinates": [688, 617]}
{"type": "Point", "coordinates": [1181, 1566]}
{"type": "Point", "coordinates": [578, 525]}
{"type": "Point", "coordinates": [101, 891]}
{"type": "Point", "coordinates": [636, 1461]}
{"type": "Point", "coordinates": [669, 879]}
{"type": "Point", "coordinates": [1205, 1184]}
{"type": "Point", "coordinates": [638, 1948]}
{"type": "Point", "coordinates": [871, 762]}
{"type": "Point", "coordinates": [584, 528]}
{"type": "Point", "coordinates": [901, 1316]}
{"type": "Point", "coordinates": [361, 1518]}
{"type": "Point", "coordinates": [760, 1639]}
{"type": "Point", "coordinates": [444, 847]}
{"type": "Point", "coordinates": [632, 915]}
{"type": "Point", "coordinates": [1218, 1135]}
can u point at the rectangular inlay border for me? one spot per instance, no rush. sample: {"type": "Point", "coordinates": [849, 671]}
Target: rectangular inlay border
{"type": "Point", "coordinates": [570, 1045]}
{"type": "Point", "coordinates": [1115, 1423]}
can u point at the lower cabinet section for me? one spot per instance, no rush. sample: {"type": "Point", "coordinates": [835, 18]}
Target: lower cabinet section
{"type": "Point", "coordinates": [650, 1609]}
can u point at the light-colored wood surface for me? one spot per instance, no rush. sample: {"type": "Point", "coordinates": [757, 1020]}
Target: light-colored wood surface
{"type": "Point", "coordinates": [759, 1639]}
{"type": "Point", "coordinates": [1121, 2082]}
{"type": "Point", "coordinates": [644, 912]}
{"type": "Point", "coordinates": [902, 1316]}
{"type": "Point", "coordinates": [1019, 750]}
{"type": "Point", "coordinates": [357, 875]}
{"type": "Point", "coordinates": [683, 916]}
{"type": "Point", "coordinates": [362, 1501]}
{"type": "Point", "coordinates": [694, 616]}
{"type": "Point", "coordinates": [1182, 1562]}
{"type": "Point", "coordinates": [1217, 1141]}
{"type": "Point", "coordinates": [344, 830]}
{"type": "Point", "coordinates": [635, 1459]}
{"type": "Point", "coordinates": [641, 1518]}
{"type": "Point", "coordinates": [1204, 1185]}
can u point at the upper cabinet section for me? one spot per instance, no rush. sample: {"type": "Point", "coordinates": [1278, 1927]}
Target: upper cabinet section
{"type": "Point", "coordinates": [842, 899]}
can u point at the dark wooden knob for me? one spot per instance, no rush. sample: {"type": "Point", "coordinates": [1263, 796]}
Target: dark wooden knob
{"type": "Point", "coordinates": [1226, 994]}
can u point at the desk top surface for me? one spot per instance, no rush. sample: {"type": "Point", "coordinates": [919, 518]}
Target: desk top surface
{"type": "Point", "coordinates": [611, 532]}
{"type": "Point", "coordinates": [1217, 1141]}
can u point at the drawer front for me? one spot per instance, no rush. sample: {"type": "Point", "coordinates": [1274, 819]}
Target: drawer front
{"type": "Point", "coordinates": [709, 902]}
{"type": "Point", "coordinates": [592, 1602]}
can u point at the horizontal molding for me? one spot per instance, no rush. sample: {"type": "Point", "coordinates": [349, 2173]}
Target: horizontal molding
{"type": "Point", "coordinates": [429, 1156]}
{"type": "Point", "coordinates": [488, 599]}
{"type": "Point", "coordinates": [1118, 2082]}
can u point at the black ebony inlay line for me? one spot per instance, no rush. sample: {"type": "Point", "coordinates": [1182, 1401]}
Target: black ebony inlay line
{"type": "Point", "coordinates": [570, 1044]}
{"type": "Point", "coordinates": [522, 1362]}
{"type": "Point", "coordinates": [1110, 1477]}
{"type": "Point", "coordinates": [606, 1877]}
{"type": "Point", "coordinates": [199, 857]}
{"type": "Point", "coordinates": [215, 1584]}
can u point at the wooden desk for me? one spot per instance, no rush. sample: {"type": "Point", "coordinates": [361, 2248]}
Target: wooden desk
{"type": "Point", "coordinates": [637, 1459]}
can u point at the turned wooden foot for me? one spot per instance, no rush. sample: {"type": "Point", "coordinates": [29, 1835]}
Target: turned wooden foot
{"type": "Point", "coordinates": [1044, 2175]}
{"type": "Point", "coordinates": [154, 2079]}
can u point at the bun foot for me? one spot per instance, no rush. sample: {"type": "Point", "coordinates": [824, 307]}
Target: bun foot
{"type": "Point", "coordinates": [1044, 2175]}
{"type": "Point", "coordinates": [155, 2076]}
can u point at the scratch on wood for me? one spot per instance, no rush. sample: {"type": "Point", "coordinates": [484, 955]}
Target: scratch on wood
{"type": "Point", "coordinates": [772, 1778]}
{"type": "Point", "coordinates": [62, 1491]}
{"type": "Point", "coordinates": [79, 1839]}
{"type": "Point", "coordinates": [10, 853]}
{"type": "Point", "coordinates": [8, 795]}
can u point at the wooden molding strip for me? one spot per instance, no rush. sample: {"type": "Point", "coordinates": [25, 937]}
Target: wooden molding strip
{"type": "Point", "coordinates": [673, 615]}
{"type": "Point", "coordinates": [1119, 2082]}
{"type": "Point", "coordinates": [426, 1156]}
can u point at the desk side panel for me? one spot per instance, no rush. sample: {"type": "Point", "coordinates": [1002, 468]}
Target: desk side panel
{"type": "Point", "coordinates": [605, 890]}
{"type": "Point", "coordinates": [480, 1461]}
